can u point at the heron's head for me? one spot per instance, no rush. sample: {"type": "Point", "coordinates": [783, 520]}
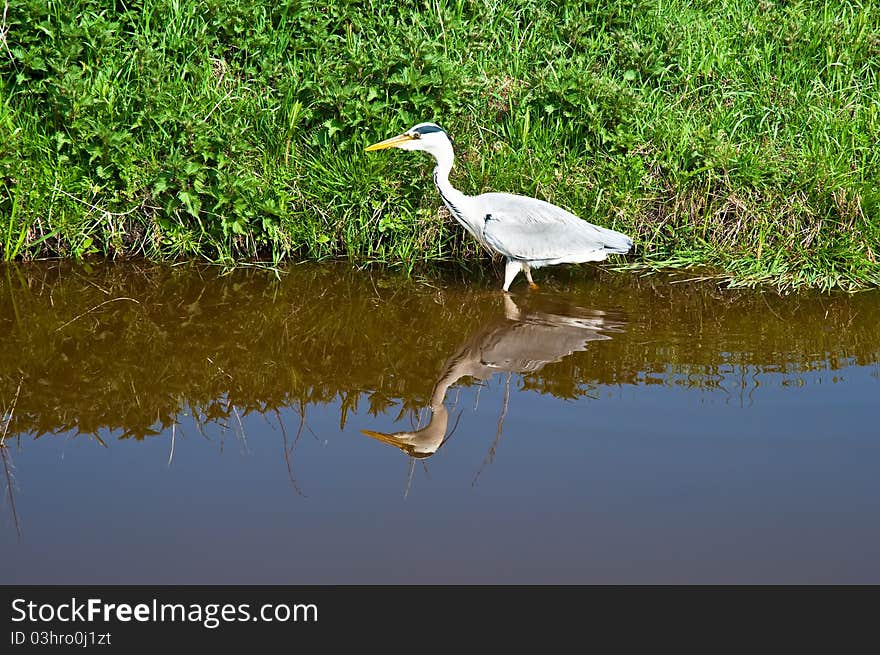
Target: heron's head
{"type": "Point", "coordinates": [429, 137]}
{"type": "Point", "coordinates": [421, 443]}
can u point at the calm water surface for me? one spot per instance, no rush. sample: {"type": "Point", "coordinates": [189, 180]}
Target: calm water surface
{"type": "Point", "coordinates": [179, 425]}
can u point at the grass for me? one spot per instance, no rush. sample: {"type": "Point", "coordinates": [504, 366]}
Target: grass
{"type": "Point", "coordinates": [737, 136]}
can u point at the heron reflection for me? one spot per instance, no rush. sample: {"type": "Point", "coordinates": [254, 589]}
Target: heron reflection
{"type": "Point", "coordinates": [522, 342]}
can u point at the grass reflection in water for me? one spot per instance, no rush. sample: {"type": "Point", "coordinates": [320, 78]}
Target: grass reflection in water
{"type": "Point", "coordinates": [129, 349]}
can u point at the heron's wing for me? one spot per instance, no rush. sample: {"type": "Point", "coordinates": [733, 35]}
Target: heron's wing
{"type": "Point", "coordinates": [526, 228]}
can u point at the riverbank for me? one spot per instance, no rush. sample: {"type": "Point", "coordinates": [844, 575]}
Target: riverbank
{"type": "Point", "coordinates": [739, 136]}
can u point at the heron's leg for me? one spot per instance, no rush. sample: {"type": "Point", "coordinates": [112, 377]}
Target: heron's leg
{"type": "Point", "coordinates": [528, 272]}
{"type": "Point", "coordinates": [513, 267]}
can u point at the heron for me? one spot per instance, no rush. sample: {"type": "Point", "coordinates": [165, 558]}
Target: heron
{"type": "Point", "coordinates": [528, 232]}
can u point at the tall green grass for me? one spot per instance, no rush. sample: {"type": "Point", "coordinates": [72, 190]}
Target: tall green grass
{"type": "Point", "coordinates": [739, 136]}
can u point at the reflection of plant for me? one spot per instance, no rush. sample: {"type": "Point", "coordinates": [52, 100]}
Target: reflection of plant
{"type": "Point", "coordinates": [210, 345]}
{"type": "Point", "coordinates": [6, 459]}
{"type": "Point", "coordinates": [7, 414]}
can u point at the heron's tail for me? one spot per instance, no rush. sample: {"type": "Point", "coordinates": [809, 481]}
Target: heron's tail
{"type": "Point", "coordinates": [615, 242]}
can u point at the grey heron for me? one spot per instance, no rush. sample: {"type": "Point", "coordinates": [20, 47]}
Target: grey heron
{"type": "Point", "coordinates": [528, 232]}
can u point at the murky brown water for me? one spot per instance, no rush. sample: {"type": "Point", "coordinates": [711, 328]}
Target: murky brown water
{"type": "Point", "coordinates": [175, 424]}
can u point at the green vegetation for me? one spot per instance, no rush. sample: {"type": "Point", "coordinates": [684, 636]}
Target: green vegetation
{"type": "Point", "coordinates": [739, 136]}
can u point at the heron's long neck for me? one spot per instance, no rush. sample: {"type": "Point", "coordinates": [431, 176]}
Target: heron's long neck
{"type": "Point", "coordinates": [457, 202]}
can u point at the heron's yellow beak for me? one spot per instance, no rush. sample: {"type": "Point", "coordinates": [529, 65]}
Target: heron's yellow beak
{"type": "Point", "coordinates": [403, 444]}
{"type": "Point", "coordinates": [390, 143]}
{"type": "Point", "coordinates": [385, 438]}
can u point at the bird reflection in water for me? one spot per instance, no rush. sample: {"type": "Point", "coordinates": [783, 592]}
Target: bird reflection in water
{"type": "Point", "coordinates": [522, 342]}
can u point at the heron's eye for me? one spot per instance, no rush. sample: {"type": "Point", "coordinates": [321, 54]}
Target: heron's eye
{"type": "Point", "coordinates": [416, 135]}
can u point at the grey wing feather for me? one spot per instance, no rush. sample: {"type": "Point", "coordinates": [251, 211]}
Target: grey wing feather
{"type": "Point", "coordinates": [529, 229]}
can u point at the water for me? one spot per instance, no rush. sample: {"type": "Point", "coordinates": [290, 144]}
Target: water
{"type": "Point", "coordinates": [179, 425]}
